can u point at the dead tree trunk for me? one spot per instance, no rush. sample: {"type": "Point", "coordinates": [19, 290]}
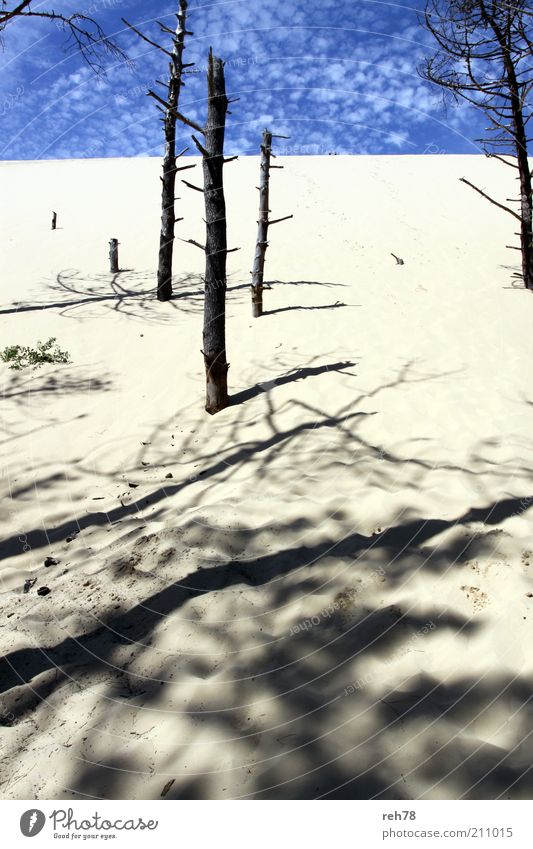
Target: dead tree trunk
{"type": "Point", "coordinates": [258, 268]}
{"type": "Point", "coordinates": [113, 256]}
{"type": "Point", "coordinates": [526, 194]}
{"type": "Point", "coordinates": [215, 248]}
{"type": "Point", "coordinates": [170, 110]}
{"type": "Point", "coordinates": [526, 222]}
{"type": "Point", "coordinates": [214, 333]}
{"type": "Point", "coordinates": [166, 242]}
{"type": "Point", "coordinates": [54, 220]}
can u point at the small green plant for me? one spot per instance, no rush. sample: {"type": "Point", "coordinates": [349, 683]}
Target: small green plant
{"type": "Point", "coordinates": [21, 356]}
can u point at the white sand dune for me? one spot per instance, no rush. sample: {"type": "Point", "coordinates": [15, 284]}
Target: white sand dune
{"type": "Point", "coordinates": [331, 596]}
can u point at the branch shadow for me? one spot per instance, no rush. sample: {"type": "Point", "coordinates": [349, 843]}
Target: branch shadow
{"type": "Point", "coordinates": [24, 664]}
{"type": "Point", "coordinates": [307, 674]}
{"type": "Point", "coordinates": [292, 376]}
{"type": "Point", "coordinates": [283, 723]}
{"type": "Point", "coordinates": [21, 386]}
{"type": "Point", "coordinates": [131, 293]}
{"type": "Point", "coordinates": [334, 306]}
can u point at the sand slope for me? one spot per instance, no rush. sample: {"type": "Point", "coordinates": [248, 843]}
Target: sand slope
{"type": "Point", "coordinates": [323, 590]}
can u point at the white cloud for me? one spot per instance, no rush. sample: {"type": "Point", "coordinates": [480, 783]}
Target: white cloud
{"type": "Point", "coordinates": [354, 74]}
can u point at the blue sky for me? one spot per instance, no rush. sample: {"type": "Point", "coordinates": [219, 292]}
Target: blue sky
{"type": "Point", "coordinates": [335, 75]}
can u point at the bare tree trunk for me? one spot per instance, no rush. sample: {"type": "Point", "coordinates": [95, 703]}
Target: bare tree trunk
{"type": "Point", "coordinates": [258, 268]}
{"type": "Point", "coordinates": [54, 220]}
{"type": "Point", "coordinates": [215, 248]}
{"type": "Point", "coordinates": [214, 333]}
{"type": "Point", "coordinates": [526, 233]}
{"type": "Point", "coordinates": [526, 224]}
{"type": "Point", "coordinates": [166, 244]}
{"type": "Point", "coordinates": [526, 197]}
{"type": "Point", "coordinates": [113, 256]}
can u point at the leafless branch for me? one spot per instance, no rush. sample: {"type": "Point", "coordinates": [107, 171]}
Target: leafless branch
{"type": "Point", "coordinates": [491, 200]}
{"type": "Point", "coordinates": [83, 32]}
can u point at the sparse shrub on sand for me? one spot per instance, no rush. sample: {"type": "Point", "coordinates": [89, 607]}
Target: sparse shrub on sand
{"type": "Point", "coordinates": [22, 356]}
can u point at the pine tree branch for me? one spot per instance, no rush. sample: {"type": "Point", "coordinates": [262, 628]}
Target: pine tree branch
{"type": "Point", "coordinates": [501, 159]}
{"type": "Point", "coordinates": [277, 220]}
{"type": "Point", "coordinates": [178, 115]}
{"type": "Point", "coordinates": [193, 242]}
{"type": "Point", "coordinates": [148, 40]}
{"type": "Point", "coordinates": [190, 186]}
{"type": "Point", "coordinates": [491, 200]}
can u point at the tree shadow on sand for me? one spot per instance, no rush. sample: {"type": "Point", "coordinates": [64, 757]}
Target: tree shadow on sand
{"type": "Point", "coordinates": [262, 453]}
{"type": "Point", "coordinates": [130, 293]}
{"type": "Point", "coordinates": [79, 295]}
{"type": "Point", "coordinates": [21, 385]}
{"type": "Point", "coordinates": [22, 389]}
{"type": "Point", "coordinates": [334, 306]}
{"type": "Point", "coordinates": [324, 725]}
{"type": "Point", "coordinates": [309, 700]}
{"type": "Point", "coordinates": [212, 465]}
{"type": "Point", "coordinates": [290, 377]}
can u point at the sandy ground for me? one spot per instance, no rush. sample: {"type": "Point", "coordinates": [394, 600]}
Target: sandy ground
{"type": "Point", "coordinates": [326, 589]}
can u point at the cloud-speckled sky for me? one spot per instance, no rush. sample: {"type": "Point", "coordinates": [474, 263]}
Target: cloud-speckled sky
{"type": "Point", "coordinates": [335, 75]}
